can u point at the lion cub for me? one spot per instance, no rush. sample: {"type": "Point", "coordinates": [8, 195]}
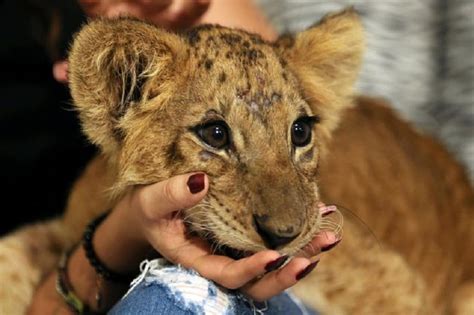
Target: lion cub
{"type": "Point", "coordinates": [276, 128]}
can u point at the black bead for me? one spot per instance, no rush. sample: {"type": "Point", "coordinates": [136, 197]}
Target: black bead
{"type": "Point", "coordinates": [94, 261]}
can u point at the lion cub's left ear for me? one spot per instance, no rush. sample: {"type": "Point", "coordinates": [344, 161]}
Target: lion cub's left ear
{"type": "Point", "coordinates": [115, 66]}
{"type": "Point", "coordinates": [326, 59]}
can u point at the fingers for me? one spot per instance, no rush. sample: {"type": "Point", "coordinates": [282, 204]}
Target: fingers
{"type": "Point", "coordinates": [242, 273]}
{"type": "Point", "coordinates": [231, 273]}
{"type": "Point", "coordinates": [276, 282]}
{"type": "Point", "coordinates": [60, 71]}
{"type": "Point", "coordinates": [326, 210]}
{"type": "Point", "coordinates": [234, 274]}
{"type": "Point", "coordinates": [326, 239]}
{"type": "Point", "coordinates": [322, 242]}
{"type": "Point", "coordinates": [111, 8]}
{"type": "Point", "coordinates": [156, 206]}
{"type": "Point", "coordinates": [184, 13]}
{"type": "Point", "coordinates": [168, 235]}
{"type": "Point", "coordinates": [171, 14]}
{"type": "Point", "coordinates": [176, 193]}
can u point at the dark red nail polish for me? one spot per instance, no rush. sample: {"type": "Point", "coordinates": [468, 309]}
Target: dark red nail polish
{"type": "Point", "coordinates": [329, 210]}
{"type": "Point", "coordinates": [275, 264]}
{"type": "Point", "coordinates": [326, 248]}
{"type": "Point", "coordinates": [303, 273]}
{"type": "Point", "coordinates": [196, 183]}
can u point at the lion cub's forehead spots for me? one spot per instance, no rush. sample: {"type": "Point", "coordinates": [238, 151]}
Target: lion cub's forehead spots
{"type": "Point", "coordinates": [234, 68]}
{"type": "Point", "coordinates": [211, 41]}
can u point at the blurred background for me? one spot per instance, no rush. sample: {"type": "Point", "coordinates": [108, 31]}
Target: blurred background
{"type": "Point", "coordinates": [42, 149]}
{"type": "Point", "coordinates": [420, 58]}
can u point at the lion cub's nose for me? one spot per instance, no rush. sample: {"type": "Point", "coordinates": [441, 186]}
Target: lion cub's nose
{"type": "Point", "coordinates": [273, 238]}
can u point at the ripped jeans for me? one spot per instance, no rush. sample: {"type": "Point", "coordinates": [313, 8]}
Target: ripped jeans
{"type": "Point", "coordinates": [163, 288]}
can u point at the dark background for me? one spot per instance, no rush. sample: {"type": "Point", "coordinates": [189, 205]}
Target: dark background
{"type": "Point", "coordinates": [42, 149]}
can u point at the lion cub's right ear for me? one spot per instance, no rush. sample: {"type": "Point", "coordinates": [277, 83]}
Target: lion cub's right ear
{"type": "Point", "coordinates": [114, 67]}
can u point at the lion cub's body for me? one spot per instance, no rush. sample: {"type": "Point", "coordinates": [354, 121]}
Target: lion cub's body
{"type": "Point", "coordinates": [419, 204]}
{"type": "Point", "coordinates": [405, 187]}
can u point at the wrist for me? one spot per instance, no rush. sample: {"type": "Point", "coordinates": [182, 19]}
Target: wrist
{"type": "Point", "coordinates": [110, 246]}
{"type": "Point", "coordinates": [119, 242]}
{"type": "Point", "coordinates": [83, 278]}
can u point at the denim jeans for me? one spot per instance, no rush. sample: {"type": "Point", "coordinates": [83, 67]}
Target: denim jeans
{"type": "Point", "coordinates": [163, 288]}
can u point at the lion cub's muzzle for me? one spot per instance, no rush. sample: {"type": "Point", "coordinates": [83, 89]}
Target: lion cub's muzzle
{"type": "Point", "coordinates": [274, 237]}
{"type": "Point", "coordinates": [278, 208]}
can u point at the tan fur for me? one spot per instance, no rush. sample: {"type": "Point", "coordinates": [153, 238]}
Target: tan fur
{"type": "Point", "coordinates": [25, 256]}
{"type": "Point", "coordinates": [415, 199]}
{"type": "Point", "coordinates": [140, 91]}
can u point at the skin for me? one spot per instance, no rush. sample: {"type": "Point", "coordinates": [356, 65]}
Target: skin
{"type": "Point", "coordinates": [178, 15]}
{"type": "Point", "coordinates": [138, 223]}
{"type": "Point", "coordinates": [375, 167]}
{"type": "Point", "coordinates": [145, 217]}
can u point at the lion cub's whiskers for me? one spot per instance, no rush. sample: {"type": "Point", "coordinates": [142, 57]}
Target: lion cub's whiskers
{"type": "Point", "coordinates": [361, 222]}
{"type": "Point", "coordinates": [204, 219]}
{"type": "Point", "coordinates": [332, 222]}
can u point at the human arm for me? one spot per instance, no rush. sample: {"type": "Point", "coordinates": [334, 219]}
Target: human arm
{"type": "Point", "coordinates": [147, 217]}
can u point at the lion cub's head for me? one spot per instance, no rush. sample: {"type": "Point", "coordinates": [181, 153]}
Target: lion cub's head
{"type": "Point", "coordinates": [253, 115]}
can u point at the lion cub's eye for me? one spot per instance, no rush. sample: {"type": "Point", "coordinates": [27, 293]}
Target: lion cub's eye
{"type": "Point", "coordinates": [215, 134]}
{"type": "Point", "coordinates": [301, 131]}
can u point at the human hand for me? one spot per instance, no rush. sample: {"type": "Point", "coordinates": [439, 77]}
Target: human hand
{"type": "Point", "coordinates": [154, 208]}
{"type": "Point", "coordinates": [169, 14]}
{"type": "Point", "coordinates": [148, 215]}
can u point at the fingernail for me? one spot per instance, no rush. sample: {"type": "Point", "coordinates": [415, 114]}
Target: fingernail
{"type": "Point", "coordinates": [275, 264]}
{"type": "Point", "coordinates": [196, 183]}
{"type": "Point", "coordinates": [326, 248]}
{"type": "Point", "coordinates": [327, 210]}
{"type": "Point", "coordinates": [303, 273]}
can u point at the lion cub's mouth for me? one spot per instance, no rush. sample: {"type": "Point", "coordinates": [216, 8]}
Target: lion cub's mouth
{"type": "Point", "coordinates": [216, 247]}
{"type": "Point", "coordinates": [332, 221]}
{"type": "Point", "coordinates": [225, 250]}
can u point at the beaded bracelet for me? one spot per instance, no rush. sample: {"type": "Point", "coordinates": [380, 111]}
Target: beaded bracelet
{"type": "Point", "coordinates": [64, 288]}
{"type": "Point", "coordinates": [95, 262]}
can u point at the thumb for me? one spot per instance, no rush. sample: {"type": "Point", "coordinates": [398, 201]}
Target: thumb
{"type": "Point", "coordinates": [176, 193]}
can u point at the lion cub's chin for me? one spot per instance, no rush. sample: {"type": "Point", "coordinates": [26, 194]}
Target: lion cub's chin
{"type": "Point", "coordinates": [239, 254]}
{"type": "Point", "coordinates": [235, 253]}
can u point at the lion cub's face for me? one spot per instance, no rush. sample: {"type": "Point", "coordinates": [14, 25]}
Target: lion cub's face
{"type": "Point", "coordinates": [248, 127]}
{"type": "Point", "coordinates": [254, 116]}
